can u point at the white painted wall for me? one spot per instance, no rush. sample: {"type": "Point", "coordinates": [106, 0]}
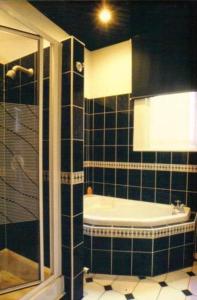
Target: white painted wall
{"type": "Point", "coordinates": [15, 14]}
{"type": "Point", "coordinates": [108, 71]}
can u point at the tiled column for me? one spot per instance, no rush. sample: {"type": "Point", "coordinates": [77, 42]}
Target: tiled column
{"type": "Point", "coordinates": [72, 168]}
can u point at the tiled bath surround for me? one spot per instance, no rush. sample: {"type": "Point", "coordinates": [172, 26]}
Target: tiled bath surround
{"type": "Point", "coordinates": [72, 169]}
{"type": "Point", "coordinates": [114, 169]}
{"type": "Point", "coordinates": [123, 251]}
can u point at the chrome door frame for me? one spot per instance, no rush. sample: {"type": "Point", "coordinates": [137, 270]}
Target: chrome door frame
{"type": "Point", "coordinates": [40, 138]}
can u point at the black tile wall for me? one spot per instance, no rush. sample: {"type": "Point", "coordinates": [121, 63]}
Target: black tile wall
{"type": "Point", "coordinates": [23, 90]}
{"type": "Point", "coordinates": [17, 235]}
{"type": "Point", "coordinates": [138, 256]}
{"type": "Point", "coordinates": [72, 161]}
{"type": "Point", "coordinates": [46, 155]}
{"type": "Point", "coordinates": [109, 137]}
{"type": "Point", "coordinates": [1, 83]}
{"type": "Point", "coordinates": [2, 218]}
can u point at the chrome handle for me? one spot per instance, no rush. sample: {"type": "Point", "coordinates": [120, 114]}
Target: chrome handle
{"type": "Point", "coordinates": [79, 66]}
{"type": "Point", "coordinates": [178, 202]}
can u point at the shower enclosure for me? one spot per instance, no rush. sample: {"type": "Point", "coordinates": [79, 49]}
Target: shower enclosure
{"type": "Point", "coordinates": [30, 185]}
{"type": "Point", "coordinates": [21, 201]}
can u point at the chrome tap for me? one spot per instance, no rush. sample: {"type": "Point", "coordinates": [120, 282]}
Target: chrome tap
{"type": "Point", "coordinates": [179, 207]}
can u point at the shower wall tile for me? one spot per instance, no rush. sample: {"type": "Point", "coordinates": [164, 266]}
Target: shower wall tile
{"type": "Point", "coordinates": [17, 235]}
{"type": "Point", "coordinates": [109, 138]}
{"type": "Point", "coordinates": [9, 83]}
{"type": "Point", "coordinates": [23, 90]}
{"type": "Point", "coordinates": [72, 135]}
{"type": "Point", "coordinates": [46, 80]}
{"type": "Point", "coordinates": [1, 83]}
{"type": "Point", "coordinates": [66, 80]}
{"type": "Point", "coordinates": [29, 61]}
{"type": "Point", "coordinates": [2, 234]}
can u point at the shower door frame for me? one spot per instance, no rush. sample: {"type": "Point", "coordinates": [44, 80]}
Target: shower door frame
{"type": "Point", "coordinates": [53, 287]}
{"type": "Point", "coordinates": [40, 142]}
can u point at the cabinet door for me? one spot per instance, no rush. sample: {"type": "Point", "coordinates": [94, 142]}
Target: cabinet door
{"type": "Point", "coordinates": [161, 66]}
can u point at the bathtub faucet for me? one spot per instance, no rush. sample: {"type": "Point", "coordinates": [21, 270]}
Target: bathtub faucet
{"type": "Point", "coordinates": [178, 208]}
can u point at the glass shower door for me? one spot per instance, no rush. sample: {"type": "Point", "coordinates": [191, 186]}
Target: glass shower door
{"type": "Point", "coordinates": [21, 233]}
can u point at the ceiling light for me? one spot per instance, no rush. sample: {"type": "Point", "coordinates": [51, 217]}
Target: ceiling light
{"type": "Point", "coordinates": [105, 15]}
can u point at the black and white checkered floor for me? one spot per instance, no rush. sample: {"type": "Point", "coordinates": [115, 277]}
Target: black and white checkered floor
{"type": "Point", "coordinates": [179, 285]}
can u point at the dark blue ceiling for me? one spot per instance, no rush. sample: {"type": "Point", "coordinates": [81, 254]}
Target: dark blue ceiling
{"type": "Point", "coordinates": [172, 20]}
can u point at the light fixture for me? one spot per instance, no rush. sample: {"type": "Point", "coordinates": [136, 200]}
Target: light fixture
{"type": "Point", "coordinates": [105, 15]}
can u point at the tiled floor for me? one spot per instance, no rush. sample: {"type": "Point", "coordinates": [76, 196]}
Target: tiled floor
{"type": "Point", "coordinates": [179, 285]}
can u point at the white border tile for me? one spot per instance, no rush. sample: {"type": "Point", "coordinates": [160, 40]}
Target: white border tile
{"type": "Point", "coordinates": [141, 166]}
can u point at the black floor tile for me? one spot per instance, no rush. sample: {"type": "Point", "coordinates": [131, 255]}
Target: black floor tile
{"type": "Point", "coordinates": [129, 296]}
{"type": "Point", "coordinates": [191, 273]}
{"type": "Point", "coordinates": [108, 287]}
{"type": "Point", "coordinates": [90, 279]}
{"type": "Point", "coordinates": [187, 293]}
{"type": "Point", "coordinates": [163, 283]}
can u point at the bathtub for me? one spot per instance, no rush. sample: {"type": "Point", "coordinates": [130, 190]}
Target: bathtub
{"type": "Point", "coordinates": [102, 210]}
{"type": "Point", "coordinates": [121, 236]}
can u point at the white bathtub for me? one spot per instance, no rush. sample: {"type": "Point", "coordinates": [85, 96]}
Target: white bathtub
{"type": "Point", "coordinates": [103, 210]}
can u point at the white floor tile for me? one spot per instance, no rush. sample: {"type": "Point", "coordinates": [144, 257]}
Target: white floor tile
{"type": "Point", "coordinates": [176, 275]}
{"type": "Point", "coordinates": [92, 291]}
{"type": "Point", "coordinates": [112, 295]}
{"type": "Point", "coordinates": [178, 280]}
{"type": "Point", "coordinates": [187, 269]}
{"type": "Point", "coordinates": [168, 293]}
{"type": "Point", "coordinates": [194, 269]}
{"type": "Point", "coordinates": [146, 290]}
{"type": "Point", "coordinates": [191, 297]}
{"type": "Point", "coordinates": [125, 284]}
{"type": "Point", "coordinates": [158, 278]}
{"type": "Point", "coordinates": [193, 285]}
{"type": "Point", "coordinates": [90, 297]}
{"type": "Point", "coordinates": [104, 279]}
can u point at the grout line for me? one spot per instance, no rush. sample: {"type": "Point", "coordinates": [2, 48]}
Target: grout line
{"type": "Point", "coordinates": [141, 174]}
{"type": "Point", "coordinates": [187, 177]}
{"type": "Point", "coordinates": [116, 139]}
{"type": "Point", "coordinates": [104, 138]}
{"type": "Point", "coordinates": [170, 200]}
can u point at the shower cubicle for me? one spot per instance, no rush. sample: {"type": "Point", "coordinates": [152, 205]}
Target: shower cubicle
{"type": "Point", "coordinates": [29, 216]}
{"type": "Point", "coordinates": [21, 222]}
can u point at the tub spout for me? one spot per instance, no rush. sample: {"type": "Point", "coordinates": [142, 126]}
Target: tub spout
{"type": "Point", "coordinates": [178, 208]}
{"type": "Point", "coordinates": [86, 270]}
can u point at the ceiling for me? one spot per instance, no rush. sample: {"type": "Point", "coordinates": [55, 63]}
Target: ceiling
{"type": "Point", "coordinates": [159, 19]}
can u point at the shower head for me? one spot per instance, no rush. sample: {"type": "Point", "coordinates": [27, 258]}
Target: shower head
{"type": "Point", "coordinates": [12, 73]}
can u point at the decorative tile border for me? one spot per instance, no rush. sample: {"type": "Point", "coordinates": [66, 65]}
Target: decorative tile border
{"type": "Point", "coordinates": [67, 177]}
{"type": "Point", "coordinates": [137, 233]}
{"type": "Point", "coordinates": [142, 166]}
{"type": "Point", "coordinates": [72, 177]}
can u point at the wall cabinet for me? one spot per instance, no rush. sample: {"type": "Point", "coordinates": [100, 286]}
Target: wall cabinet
{"type": "Point", "coordinates": [162, 66]}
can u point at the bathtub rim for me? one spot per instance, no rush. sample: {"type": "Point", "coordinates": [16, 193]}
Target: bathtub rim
{"type": "Point", "coordinates": [139, 232]}
{"type": "Point", "coordinates": [145, 222]}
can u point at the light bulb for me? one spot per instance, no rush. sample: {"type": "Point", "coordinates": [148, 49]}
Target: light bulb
{"type": "Point", "coordinates": [105, 15]}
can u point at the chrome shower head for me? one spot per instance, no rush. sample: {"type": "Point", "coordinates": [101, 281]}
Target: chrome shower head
{"type": "Point", "coordinates": [12, 73]}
